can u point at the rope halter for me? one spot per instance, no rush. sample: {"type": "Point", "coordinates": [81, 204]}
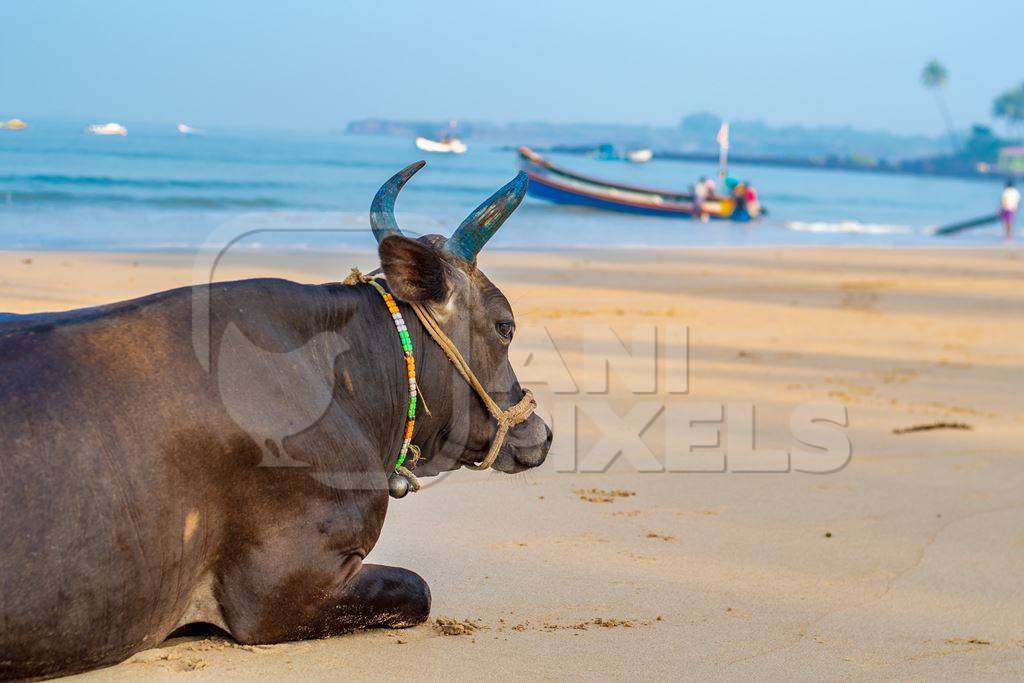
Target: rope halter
{"type": "Point", "coordinates": [506, 419]}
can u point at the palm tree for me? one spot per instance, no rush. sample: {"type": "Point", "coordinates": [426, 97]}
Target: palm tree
{"type": "Point", "coordinates": [934, 76]}
{"type": "Point", "coordinates": [1010, 107]}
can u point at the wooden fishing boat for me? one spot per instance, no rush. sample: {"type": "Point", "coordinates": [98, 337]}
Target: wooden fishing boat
{"type": "Point", "coordinates": [554, 184]}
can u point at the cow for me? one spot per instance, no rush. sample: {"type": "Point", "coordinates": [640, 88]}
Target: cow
{"type": "Point", "coordinates": [145, 486]}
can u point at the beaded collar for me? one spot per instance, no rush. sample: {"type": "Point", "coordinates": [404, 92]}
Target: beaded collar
{"type": "Point", "coordinates": [410, 364]}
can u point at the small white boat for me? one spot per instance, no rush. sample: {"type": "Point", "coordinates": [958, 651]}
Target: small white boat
{"type": "Point", "coordinates": [106, 129]}
{"type": "Point", "coordinates": [13, 124]}
{"type": "Point", "coordinates": [639, 156]}
{"type": "Point", "coordinates": [444, 146]}
{"type": "Point", "coordinates": [186, 129]}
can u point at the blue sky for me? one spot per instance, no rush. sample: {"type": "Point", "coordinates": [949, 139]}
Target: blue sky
{"type": "Point", "coordinates": [318, 64]}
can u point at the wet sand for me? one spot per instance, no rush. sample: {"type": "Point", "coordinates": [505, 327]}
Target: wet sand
{"type": "Point", "coordinates": [903, 564]}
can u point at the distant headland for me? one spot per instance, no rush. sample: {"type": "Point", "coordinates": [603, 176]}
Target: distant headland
{"type": "Point", "coordinates": [983, 155]}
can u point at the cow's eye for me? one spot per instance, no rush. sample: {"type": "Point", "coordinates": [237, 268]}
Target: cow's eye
{"type": "Point", "coordinates": [505, 328]}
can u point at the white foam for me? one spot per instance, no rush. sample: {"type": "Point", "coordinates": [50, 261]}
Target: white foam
{"type": "Point", "coordinates": [853, 227]}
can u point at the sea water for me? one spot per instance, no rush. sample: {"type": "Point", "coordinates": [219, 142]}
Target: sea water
{"type": "Point", "coordinates": [157, 189]}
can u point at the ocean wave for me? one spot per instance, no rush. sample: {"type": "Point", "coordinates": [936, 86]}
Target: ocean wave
{"type": "Point", "coordinates": [148, 183]}
{"type": "Point", "coordinates": [849, 227]}
{"type": "Point", "coordinates": [179, 202]}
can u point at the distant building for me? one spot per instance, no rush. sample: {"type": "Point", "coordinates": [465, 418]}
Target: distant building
{"type": "Point", "coordinates": [1011, 159]}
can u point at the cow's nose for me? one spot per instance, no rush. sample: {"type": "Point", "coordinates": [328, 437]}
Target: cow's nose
{"type": "Point", "coordinates": [534, 457]}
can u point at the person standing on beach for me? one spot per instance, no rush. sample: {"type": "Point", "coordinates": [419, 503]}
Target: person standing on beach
{"type": "Point", "coordinates": [700, 196]}
{"type": "Point", "coordinates": [1008, 205]}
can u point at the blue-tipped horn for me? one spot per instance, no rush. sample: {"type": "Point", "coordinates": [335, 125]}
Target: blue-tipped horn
{"type": "Point", "coordinates": [382, 210]}
{"type": "Point", "coordinates": [470, 237]}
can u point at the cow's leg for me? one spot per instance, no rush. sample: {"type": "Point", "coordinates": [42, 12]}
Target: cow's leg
{"type": "Point", "coordinates": [305, 604]}
{"type": "Point", "coordinates": [380, 595]}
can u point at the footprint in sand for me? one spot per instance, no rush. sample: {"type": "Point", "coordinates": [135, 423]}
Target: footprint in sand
{"type": "Point", "coordinates": [861, 295]}
{"type": "Point", "coordinates": [601, 495]}
{"type": "Point", "coordinates": [898, 376]}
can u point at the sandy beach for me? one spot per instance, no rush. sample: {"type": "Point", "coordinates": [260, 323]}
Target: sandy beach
{"type": "Point", "coordinates": [903, 564]}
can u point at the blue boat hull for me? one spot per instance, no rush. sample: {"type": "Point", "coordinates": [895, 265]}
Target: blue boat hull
{"type": "Point", "coordinates": [540, 188]}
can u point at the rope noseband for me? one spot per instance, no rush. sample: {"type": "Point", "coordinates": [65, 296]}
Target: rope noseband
{"type": "Point", "coordinates": [506, 419]}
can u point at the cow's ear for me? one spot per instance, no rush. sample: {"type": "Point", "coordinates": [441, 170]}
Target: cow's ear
{"type": "Point", "coordinates": [415, 272]}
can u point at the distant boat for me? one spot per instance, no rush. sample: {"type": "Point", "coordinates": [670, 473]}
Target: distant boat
{"type": "Point", "coordinates": [608, 152]}
{"type": "Point", "coordinates": [554, 184]}
{"type": "Point", "coordinates": [186, 129]}
{"type": "Point", "coordinates": [106, 129]}
{"type": "Point", "coordinates": [13, 124]}
{"type": "Point", "coordinates": [639, 156]}
{"type": "Point", "coordinates": [445, 145]}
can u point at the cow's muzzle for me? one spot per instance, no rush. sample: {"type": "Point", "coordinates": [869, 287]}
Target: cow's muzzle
{"type": "Point", "coordinates": [534, 456]}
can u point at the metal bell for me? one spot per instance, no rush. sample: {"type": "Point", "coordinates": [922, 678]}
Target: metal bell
{"type": "Point", "coordinates": [398, 485]}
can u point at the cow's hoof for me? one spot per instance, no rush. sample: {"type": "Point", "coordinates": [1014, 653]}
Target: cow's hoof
{"type": "Point", "coordinates": [415, 604]}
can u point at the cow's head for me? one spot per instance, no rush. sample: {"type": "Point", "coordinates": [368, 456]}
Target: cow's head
{"type": "Point", "coordinates": [442, 275]}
